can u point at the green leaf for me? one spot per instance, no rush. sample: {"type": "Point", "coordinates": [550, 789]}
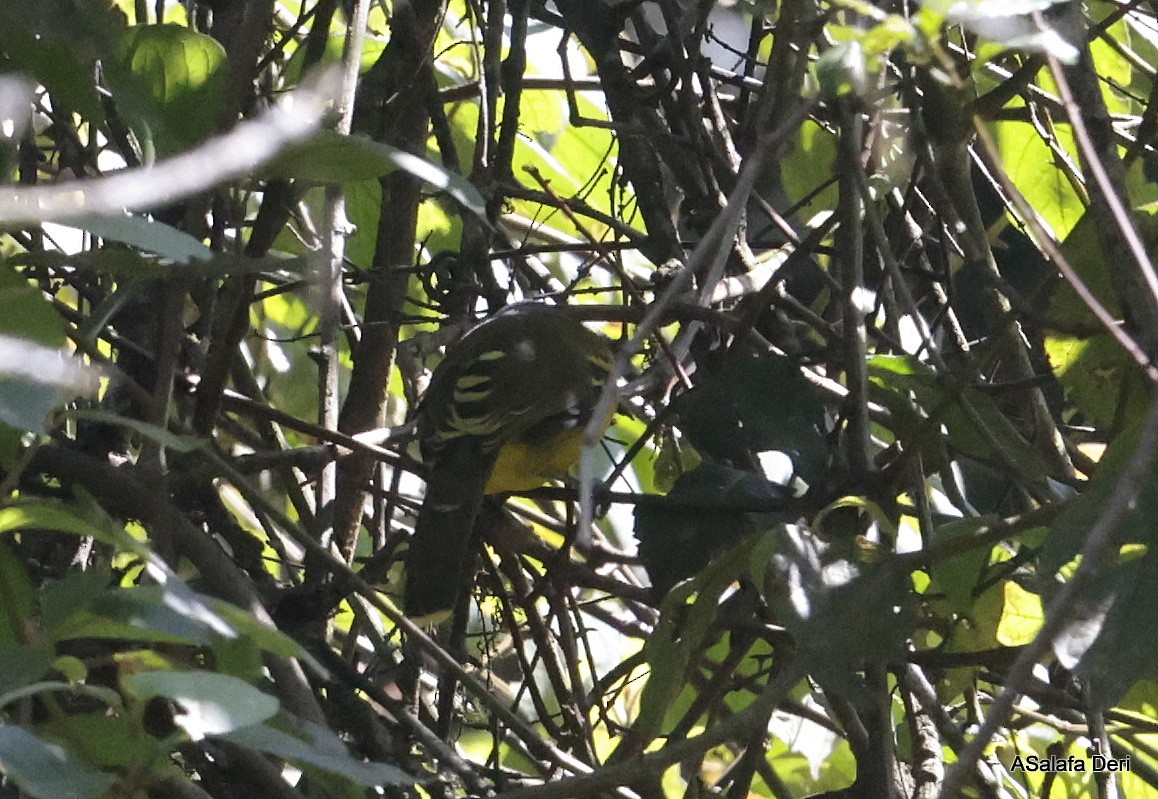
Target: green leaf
{"type": "Point", "coordinates": [75, 608]}
{"type": "Point", "coordinates": [924, 400]}
{"type": "Point", "coordinates": [240, 656]}
{"type": "Point", "coordinates": [209, 704]}
{"type": "Point", "coordinates": [686, 617]}
{"type": "Point", "coordinates": [147, 234]}
{"type": "Point", "coordinates": [1099, 376]}
{"type": "Point", "coordinates": [17, 600]}
{"type": "Point", "coordinates": [62, 599]}
{"type": "Point", "coordinates": [979, 630]}
{"type": "Point", "coordinates": [566, 155]}
{"type": "Point", "coordinates": [1116, 68]}
{"type": "Point", "coordinates": [111, 740]}
{"type": "Point", "coordinates": [101, 694]}
{"type": "Point", "coordinates": [135, 614]}
{"type": "Point", "coordinates": [957, 577]}
{"type": "Point", "coordinates": [668, 651]}
{"type": "Point", "coordinates": [173, 592]}
{"type": "Point", "coordinates": [843, 70]}
{"type": "Point", "coordinates": [169, 81]}
{"type": "Point", "coordinates": [1030, 164]}
{"type": "Point", "coordinates": [758, 405]}
{"type": "Point", "coordinates": [45, 770]}
{"type": "Point", "coordinates": [72, 668]}
{"type": "Point", "coordinates": [372, 50]}
{"type": "Point", "coordinates": [317, 746]}
{"type": "Point", "coordinates": [261, 634]}
{"type": "Point", "coordinates": [329, 157]}
{"type": "Point", "coordinates": [804, 736]}
{"type": "Point", "coordinates": [44, 515]}
{"type": "Point", "coordinates": [807, 166]}
{"type": "Point", "coordinates": [25, 312]}
{"type": "Point", "coordinates": [10, 445]}
{"type": "Point", "coordinates": [1021, 616]}
{"type": "Point", "coordinates": [1142, 698]}
{"type": "Point", "coordinates": [21, 666]}
{"type": "Point", "coordinates": [674, 457]}
{"type": "Point", "coordinates": [364, 207]}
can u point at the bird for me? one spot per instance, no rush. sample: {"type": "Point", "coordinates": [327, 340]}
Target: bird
{"type": "Point", "coordinates": [504, 411]}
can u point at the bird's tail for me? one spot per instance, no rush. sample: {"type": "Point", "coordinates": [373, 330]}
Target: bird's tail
{"type": "Point", "coordinates": [439, 563]}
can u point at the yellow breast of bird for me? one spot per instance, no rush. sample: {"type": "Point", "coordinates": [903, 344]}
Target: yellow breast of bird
{"type": "Point", "coordinates": [523, 465]}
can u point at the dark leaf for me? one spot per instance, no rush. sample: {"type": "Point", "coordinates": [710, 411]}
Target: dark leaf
{"type": "Point", "coordinates": [708, 509]}
{"type": "Point", "coordinates": [756, 405]}
{"type": "Point", "coordinates": [1113, 633]}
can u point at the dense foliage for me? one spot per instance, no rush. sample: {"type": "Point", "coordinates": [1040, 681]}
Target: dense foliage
{"type": "Point", "coordinates": [874, 517]}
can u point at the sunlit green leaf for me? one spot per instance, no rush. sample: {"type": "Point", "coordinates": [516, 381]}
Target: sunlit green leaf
{"type": "Point", "coordinates": [807, 166]}
{"type": "Point", "coordinates": [1022, 617]}
{"type": "Point", "coordinates": [169, 80]}
{"type": "Point", "coordinates": [134, 614]}
{"type": "Point", "coordinates": [957, 577]}
{"type": "Point", "coordinates": [1032, 167]}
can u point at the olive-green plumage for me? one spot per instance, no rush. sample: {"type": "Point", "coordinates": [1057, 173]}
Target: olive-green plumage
{"type": "Point", "coordinates": [505, 411]}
